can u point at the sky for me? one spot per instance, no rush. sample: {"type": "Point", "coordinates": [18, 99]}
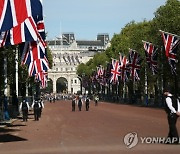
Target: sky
{"type": "Point", "coordinates": [87, 18]}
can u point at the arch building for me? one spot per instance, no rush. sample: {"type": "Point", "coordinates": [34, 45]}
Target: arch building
{"type": "Point", "coordinates": [68, 53]}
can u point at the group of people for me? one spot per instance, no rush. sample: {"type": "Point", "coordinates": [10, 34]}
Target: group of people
{"type": "Point", "coordinates": [79, 101]}
{"type": "Point", "coordinates": [172, 108]}
{"type": "Point", "coordinates": [37, 107]}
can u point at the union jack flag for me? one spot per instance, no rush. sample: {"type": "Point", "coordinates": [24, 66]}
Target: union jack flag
{"type": "Point", "coordinates": [24, 32]}
{"type": "Point", "coordinates": [171, 43]}
{"type": "Point", "coordinates": [100, 71]}
{"type": "Point", "coordinates": [151, 56]}
{"type": "Point", "coordinates": [42, 77]}
{"type": "Point", "coordinates": [134, 64]}
{"type": "Point", "coordinates": [123, 67]}
{"type": "Point", "coordinates": [14, 12]}
{"type": "Point", "coordinates": [115, 71]}
{"type": "Point", "coordinates": [41, 29]}
{"type": "Point", "coordinates": [35, 58]}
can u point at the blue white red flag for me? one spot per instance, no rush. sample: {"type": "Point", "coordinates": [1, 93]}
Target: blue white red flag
{"type": "Point", "coordinates": [100, 71]}
{"type": "Point", "coordinates": [123, 67]}
{"type": "Point", "coordinates": [134, 64]}
{"type": "Point", "coordinates": [151, 56]}
{"type": "Point", "coordinates": [171, 43]}
{"type": "Point", "coordinates": [14, 12]}
{"type": "Point", "coordinates": [35, 50]}
{"type": "Point", "coordinates": [42, 77]}
{"type": "Point", "coordinates": [24, 32]}
{"type": "Point", "coordinates": [115, 71]}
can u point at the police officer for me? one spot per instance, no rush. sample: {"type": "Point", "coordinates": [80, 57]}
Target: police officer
{"type": "Point", "coordinates": [87, 101]}
{"type": "Point", "coordinates": [80, 103]}
{"type": "Point", "coordinates": [36, 106]}
{"type": "Point", "coordinates": [24, 107]}
{"type": "Point", "coordinates": [172, 108]}
{"type": "Point", "coordinates": [73, 103]}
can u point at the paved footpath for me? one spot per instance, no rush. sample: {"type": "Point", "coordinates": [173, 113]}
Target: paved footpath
{"type": "Point", "coordinates": [98, 131]}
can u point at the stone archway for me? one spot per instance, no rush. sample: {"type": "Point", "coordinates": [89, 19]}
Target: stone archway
{"type": "Point", "coordinates": [61, 85]}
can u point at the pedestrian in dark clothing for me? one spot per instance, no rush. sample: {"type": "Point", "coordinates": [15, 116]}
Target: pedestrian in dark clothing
{"type": "Point", "coordinates": [80, 103]}
{"type": "Point", "coordinates": [36, 106]}
{"type": "Point", "coordinates": [172, 108]}
{"type": "Point", "coordinates": [87, 101]}
{"type": "Point", "coordinates": [73, 104]}
{"type": "Point", "coordinates": [24, 108]}
{"type": "Point", "coordinates": [41, 107]}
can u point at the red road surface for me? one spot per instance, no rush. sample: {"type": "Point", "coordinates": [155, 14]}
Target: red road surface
{"type": "Point", "coordinates": [98, 131]}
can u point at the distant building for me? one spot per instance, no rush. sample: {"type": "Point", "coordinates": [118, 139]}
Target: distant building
{"type": "Point", "coordinates": [68, 53]}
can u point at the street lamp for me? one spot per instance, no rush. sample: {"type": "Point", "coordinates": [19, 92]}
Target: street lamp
{"type": "Point", "coordinates": [81, 82]}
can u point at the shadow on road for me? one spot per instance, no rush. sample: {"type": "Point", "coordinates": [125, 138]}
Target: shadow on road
{"type": "Point", "coordinates": [4, 130]}
{"type": "Point", "coordinates": [10, 138]}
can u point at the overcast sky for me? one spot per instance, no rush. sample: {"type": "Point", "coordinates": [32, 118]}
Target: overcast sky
{"type": "Point", "coordinates": [87, 18]}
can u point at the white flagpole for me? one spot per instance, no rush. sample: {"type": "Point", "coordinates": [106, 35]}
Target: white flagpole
{"type": "Point", "coordinates": [5, 73]}
{"type": "Point", "coordinates": [170, 34]}
{"type": "Point", "coordinates": [16, 67]}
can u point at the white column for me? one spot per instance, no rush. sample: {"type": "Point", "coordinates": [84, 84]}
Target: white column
{"type": "Point", "coordinates": [16, 67]}
{"type": "Point", "coordinates": [54, 84]}
{"type": "Point", "coordinates": [27, 85]}
{"type": "Point", "coordinates": [69, 84]}
{"type": "Point", "coordinates": [5, 74]}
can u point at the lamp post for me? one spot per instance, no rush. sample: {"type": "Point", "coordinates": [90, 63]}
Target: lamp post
{"type": "Point", "coordinates": [80, 78]}
{"type": "Point", "coordinates": [81, 82]}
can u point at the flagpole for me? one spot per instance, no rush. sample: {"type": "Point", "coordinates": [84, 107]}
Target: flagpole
{"type": "Point", "coordinates": [16, 67]}
{"type": "Point", "coordinates": [146, 87]}
{"type": "Point", "coordinates": [169, 33]}
{"type": "Point", "coordinates": [5, 72]}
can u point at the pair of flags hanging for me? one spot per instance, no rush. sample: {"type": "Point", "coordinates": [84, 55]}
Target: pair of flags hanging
{"type": "Point", "coordinates": [21, 22]}
{"type": "Point", "coordinates": [171, 42]}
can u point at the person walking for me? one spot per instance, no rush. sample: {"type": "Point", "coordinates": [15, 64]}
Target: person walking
{"type": "Point", "coordinates": [80, 103]}
{"type": "Point", "coordinates": [172, 108]}
{"type": "Point", "coordinates": [36, 106]}
{"type": "Point", "coordinates": [87, 101]}
{"type": "Point", "coordinates": [24, 108]}
{"type": "Point", "coordinates": [73, 103]}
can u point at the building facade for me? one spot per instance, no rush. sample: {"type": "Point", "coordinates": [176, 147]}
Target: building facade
{"type": "Point", "coordinates": [68, 53]}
